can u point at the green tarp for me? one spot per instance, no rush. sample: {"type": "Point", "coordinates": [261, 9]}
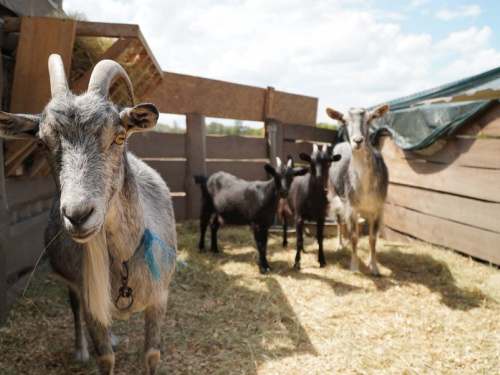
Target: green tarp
{"type": "Point", "coordinates": [416, 126]}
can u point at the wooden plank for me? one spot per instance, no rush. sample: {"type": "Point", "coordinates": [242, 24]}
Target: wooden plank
{"type": "Point", "coordinates": [482, 153]}
{"type": "Point", "coordinates": [107, 30]}
{"type": "Point", "coordinates": [182, 94]}
{"type": "Point", "coordinates": [236, 147]}
{"type": "Point", "coordinates": [14, 148]}
{"type": "Point", "coordinates": [4, 241]}
{"type": "Point", "coordinates": [195, 160]}
{"type": "Point", "coordinates": [296, 109]}
{"type": "Point", "coordinates": [172, 171]}
{"type": "Point", "coordinates": [23, 191]}
{"type": "Point", "coordinates": [295, 148]}
{"type": "Point", "coordinates": [39, 38]}
{"type": "Point", "coordinates": [391, 235]}
{"type": "Point", "coordinates": [158, 145]}
{"type": "Point", "coordinates": [26, 244]}
{"type": "Point", "coordinates": [469, 182]}
{"type": "Point", "coordinates": [309, 133]}
{"type": "Point", "coordinates": [476, 242]}
{"type": "Point", "coordinates": [486, 124]}
{"type": "Point", "coordinates": [473, 212]}
{"type": "Point", "coordinates": [246, 170]}
{"type": "Point", "coordinates": [179, 202]}
{"type": "Point", "coordinates": [11, 169]}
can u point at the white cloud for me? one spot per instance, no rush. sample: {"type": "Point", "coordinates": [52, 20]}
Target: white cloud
{"type": "Point", "coordinates": [459, 12]}
{"type": "Point", "coordinates": [344, 55]}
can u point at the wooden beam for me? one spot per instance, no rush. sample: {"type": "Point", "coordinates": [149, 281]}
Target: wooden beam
{"type": "Point", "coordinates": [10, 170]}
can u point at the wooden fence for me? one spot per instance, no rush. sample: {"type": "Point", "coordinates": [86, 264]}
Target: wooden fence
{"type": "Point", "coordinates": [452, 197]}
{"type": "Point", "coordinates": [177, 157]}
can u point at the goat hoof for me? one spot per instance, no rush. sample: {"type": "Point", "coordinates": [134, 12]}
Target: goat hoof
{"type": "Point", "coordinates": [296, 266]}
{"type": "Point", "coordinates": [322, 264]}
{"type": "Point", "coordinates": [285, 244]}
{"type": "Point", "coordinates": [264, 271]}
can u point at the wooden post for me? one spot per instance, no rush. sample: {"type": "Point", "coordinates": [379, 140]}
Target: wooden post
{"type": "Point", "coordinates": [274, 132]}
{"type": "Point", "coordinates": [196, 152]}
{"type": "Point", "coordinates": [4, 240]}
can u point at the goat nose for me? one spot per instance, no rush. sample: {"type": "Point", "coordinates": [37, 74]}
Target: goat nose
{"type": "Point", "coordinates": [358, 140]}
{"type": "Point", "coordinates": [78, 215]}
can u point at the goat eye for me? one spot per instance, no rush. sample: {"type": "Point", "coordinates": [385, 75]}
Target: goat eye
{"type": "Point", "coordinates": [120, 139]}
{"type": "Point", "coordinates": [41, 144]}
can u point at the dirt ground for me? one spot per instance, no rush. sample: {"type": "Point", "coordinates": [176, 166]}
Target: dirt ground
{"type": "Point", "coordinates": [432, 312]}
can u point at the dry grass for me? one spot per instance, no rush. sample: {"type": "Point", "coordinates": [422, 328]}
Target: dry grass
{"type": "Point", "coordinates": [433, 312]}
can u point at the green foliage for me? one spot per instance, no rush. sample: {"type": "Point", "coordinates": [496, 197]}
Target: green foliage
{"type": "Point", "coordinates": [166, 128]}
{"type": "Point", "coordinates": [237, 129]}
{"type": "Point", "coordinates": [324, 125]}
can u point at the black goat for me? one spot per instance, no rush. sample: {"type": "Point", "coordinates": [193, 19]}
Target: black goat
{"type": "Point", "coordinates": [308, 200]}
{"type": "Point", "coordinates": [239, 202]}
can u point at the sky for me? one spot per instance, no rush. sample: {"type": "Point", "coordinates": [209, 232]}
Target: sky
{"type": "Point", "coordinates": [346, 53]}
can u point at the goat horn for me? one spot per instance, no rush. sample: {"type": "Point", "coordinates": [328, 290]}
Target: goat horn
{"type": "Point", "coordinates": [57, 74]}
{"type": "Point", "coordinates": [105, 72]}
{"type": "Point", "coordinates": [278, 161]}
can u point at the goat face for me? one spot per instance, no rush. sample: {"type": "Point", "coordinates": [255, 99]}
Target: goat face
{"type": "Point", "coordinates": [283, 175]}
{"type": "Point", "coordinates": [320, 162]}
{"type": "Point", "coordinates": [357, 123]}
{"type": "Point", "coordinates": [83, 138]}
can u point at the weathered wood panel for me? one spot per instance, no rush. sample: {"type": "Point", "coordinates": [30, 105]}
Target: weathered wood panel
{"type": "Point", "coordinates": [469, 152]}
{"type": "Point", "coordinates": [477, 242]}
{"type": "Point", "coordinates": [296, 109]}
{"type": "Point", "coordinates": [470, 182]}
{"type": "Point", "coordinates": [295, 148]}
{"type": "Point", "coordinates": [486, 124]}
{"type": "Point", "coordinates": [39, 38]}
{"type": "Point", "coordinates": [309, 133]}
{"type": "Point", "coordinates": [246, 170]}
{"type": "Point", "coordinates": [172, 171]}
{"type": "Point", "coordinates": [236, 147]}
{"type": "Point", "coordinates": [182, 94]}
{"type": "Point", "coordinates": [179, 202]}
{"type": "Point", "coordinates": [473, 212]}
{"type": "Point", "coordinates": [25, 244]}
{"type": "Point", "coordinates": [158, 145]}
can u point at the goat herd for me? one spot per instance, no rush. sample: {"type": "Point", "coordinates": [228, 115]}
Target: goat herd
{"type": "Point", "coordinates": [111, 235]}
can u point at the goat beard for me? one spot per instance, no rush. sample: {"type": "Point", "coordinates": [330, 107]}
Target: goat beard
{"type": "Point", "coordinates": [96, 280]}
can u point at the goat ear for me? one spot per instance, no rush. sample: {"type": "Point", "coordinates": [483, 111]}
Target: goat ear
{"type": "Point", "coordinates": [300, 171]}
{"type": "Point", "coordinates": [379, 111]}
{"type": "Point", "coordinates": [269, 169]}
{"type": "Point", "coordinates": [15, 126]}
{"type": "Point", "coordinates": [336, 115]}
{"type": "Point", "coordinates": [336, 157]}
{"type": "Point", "coordinates": [140, 118]}
{"type": "Point", "coordinates": [305, 157]}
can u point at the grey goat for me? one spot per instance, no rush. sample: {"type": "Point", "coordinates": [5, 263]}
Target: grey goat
{"type": "Point", "coordinates": [111, 235]}
{"type": "Point", "coordinates": [360, 179]}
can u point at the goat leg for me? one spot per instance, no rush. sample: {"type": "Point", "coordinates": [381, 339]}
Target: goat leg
{"type": "Point", "coordinates": [299, 227]}
{"type": "Point", "coordinates": [153, 317]}
{"type": "Point", "coordinates": [81, 351]}
{"type": "Point", "coordinates": [214, 228]}
{"type": "Point", "coordinates": [260, 235]}
{"type": "Point", "coordinates": [103, 346]}
{"type": "Point", "coordinates": [320, 225]}
{"type": "Point", "coordinates": [374, 226]}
